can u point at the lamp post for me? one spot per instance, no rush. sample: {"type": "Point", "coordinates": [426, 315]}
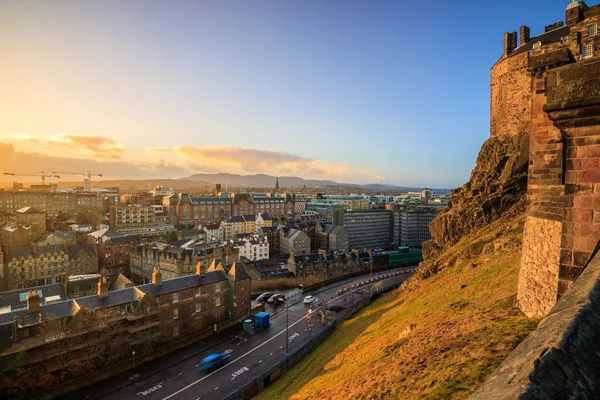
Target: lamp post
{"type": "Point", "coordinates": [133, 359]}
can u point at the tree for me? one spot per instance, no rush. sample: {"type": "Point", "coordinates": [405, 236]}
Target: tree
{"type": "Point", "coordinates": [90, 216]}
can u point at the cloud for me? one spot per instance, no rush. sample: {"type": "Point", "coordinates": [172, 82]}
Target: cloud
{"type": "Point", "coordinates": [98, 146]}
{"type": "Point", "coordinates": [25, 137]}
{"type": "Point", "coordinates": [161, 165]}
{"type": "Point", "coordinates": [378, 177]}
{"type": "Point", "coordinates": [254, 161]}
{"type": "Point", "coordinates": [158, 150]}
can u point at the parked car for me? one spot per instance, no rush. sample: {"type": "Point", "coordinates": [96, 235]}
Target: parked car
{"type": "Point", "coordinates": [213, 361]}
{"type": "Point", "coordinates": [309, 299]}
{"type": "Point", "coordinates": [276, 298]}
{"type": "Point", "coordinates": [264, 297]}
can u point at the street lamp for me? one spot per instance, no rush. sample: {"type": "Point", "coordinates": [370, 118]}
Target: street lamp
{"type": "Point", "coordinates": [133, 360]}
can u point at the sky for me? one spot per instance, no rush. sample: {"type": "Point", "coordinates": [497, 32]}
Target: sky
{"type": "Point", "coordinates": [354, 91]}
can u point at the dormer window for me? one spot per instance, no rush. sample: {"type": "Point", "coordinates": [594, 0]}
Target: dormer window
{"type": "Point", "coordinates": [564, 39]}
{"type": "Point", "coordinates": [592, 30]}
{"type": "Point", "coordinates": [537, 46]}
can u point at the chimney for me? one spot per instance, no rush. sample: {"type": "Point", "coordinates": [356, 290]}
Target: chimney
{"type": "Point", "coordinates": [33, 300]}
{"type": "Point", "coordinates": [510, 42]}
{"type": "Point", "coordinates": [199, 266]}
{"type": "Point", "coordinates": [102, 287]}
{"type": "Point", "coordinates": [157, 276]}
{"type": "Point", "coordinates": [523, 35]}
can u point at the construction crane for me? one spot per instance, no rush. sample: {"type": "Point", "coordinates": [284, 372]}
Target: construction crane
{"type": "Point", "coordinates": [43, 175]}
{"type": "Point", "coordinates": [87, 174]}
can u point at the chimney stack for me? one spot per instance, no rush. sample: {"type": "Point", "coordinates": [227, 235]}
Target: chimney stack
{"type": "Point", "coordinates": [33, 300]}
{"type": "Point", "coordinates": [524, 35]}
{"type": "Point", "coordinates": [574, 12]}
{"type": "Point", "coordinates": [102, 287]}
{"type": "Point", "coordinates": [157, 276]}
{"type": "Point", "coordinates": [199, 266]}
{"type": "Point", "coordinates": [510, 42]}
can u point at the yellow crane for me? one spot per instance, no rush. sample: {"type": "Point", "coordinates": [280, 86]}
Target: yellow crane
{"type": "Point", "coordinates": [43, 175]}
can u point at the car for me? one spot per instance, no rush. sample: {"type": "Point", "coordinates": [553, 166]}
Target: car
{"type": "Point", "coordinates": [213, 361]}
{"type": "Point", "coordinates": [264, 297]}
{"type": "Point", "coordinates": [277, 296]}
{"type": "Point", "coordinates": [309, 299]}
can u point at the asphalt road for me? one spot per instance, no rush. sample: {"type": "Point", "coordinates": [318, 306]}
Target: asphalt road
{"type": "Point", "coordinates": [250, 356]}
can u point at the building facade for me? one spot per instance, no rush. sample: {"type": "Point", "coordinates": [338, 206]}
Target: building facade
{"type": "Point", "coordinates": [253, 248]}
{"type": "Point", "coordinates": [105, 325]}
{"type": "Point", "coordinates": [292, 240]}
{"type": "Point", "coordinates": [368, 229]}
{"type": "Point", "coordinates": [145, 221]}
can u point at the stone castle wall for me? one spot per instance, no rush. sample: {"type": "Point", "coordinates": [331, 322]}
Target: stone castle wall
{"type": "Point", "coordinates": [553, 94]}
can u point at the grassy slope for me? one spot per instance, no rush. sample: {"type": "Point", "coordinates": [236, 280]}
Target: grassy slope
{"type": "Point", "coordinates": [436, 338]}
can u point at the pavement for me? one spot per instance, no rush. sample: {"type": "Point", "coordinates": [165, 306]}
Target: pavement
{"type": "Point", "coordinates": [175, 376]}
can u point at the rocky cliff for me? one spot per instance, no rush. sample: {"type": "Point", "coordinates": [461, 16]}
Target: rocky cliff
{"type": "Point", "coordinates": [496, 188]}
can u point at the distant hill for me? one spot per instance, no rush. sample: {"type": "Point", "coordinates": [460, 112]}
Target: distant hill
{"type": "Point", "coordinates": [262, 180]}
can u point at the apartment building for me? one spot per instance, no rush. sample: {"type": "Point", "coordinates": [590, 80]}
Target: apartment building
{"type": "Point", "coordinates": [144, 221]}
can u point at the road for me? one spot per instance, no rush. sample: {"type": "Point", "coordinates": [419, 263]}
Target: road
{"type": "Point", "coordinates": [250, 356]}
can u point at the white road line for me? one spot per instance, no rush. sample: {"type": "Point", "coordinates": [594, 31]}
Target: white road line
{"type": "Point", "coordinates": [242, 356]}
{"type": "Point", "coordinates": [217, 388]}
{"type": "Point", "coordinates": [271, 354]}
{"type": "Point", "coordinates": [260, 361]}
{"type": "Point", "coordinates": [232, 361]}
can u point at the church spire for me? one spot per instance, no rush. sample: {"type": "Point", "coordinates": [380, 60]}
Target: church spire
{"type": "Point", "coordinates": [277, 183]}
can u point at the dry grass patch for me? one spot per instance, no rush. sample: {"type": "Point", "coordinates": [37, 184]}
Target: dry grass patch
{"type": "Point", "coordinates": [437, 338]}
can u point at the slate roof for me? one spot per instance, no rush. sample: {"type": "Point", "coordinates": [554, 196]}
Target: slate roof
{"type": "Point", "coordinates": [84, 285]}
{"type": "Point", "coordinates": [124, 238]}
{"type": "Point", "coordinates": [64, 235]}
{"type": "Point", "coordinates": [29, 210]}
{"type": "Point", "coordinates": [12, 298]}
{"type": "Point", "coordinates": [76, 249]}
{"type": "Point", "coordinates": [49, 250]}
{"type": "Point", "coordinates": [249, 218]}
{"type": "Point", "coordinates": [238, 272]}
{"type": "Point", "coordinates": [121, 282]}
{"type": "Point", "coordinates": [19, 252]}
{"type": "Point", "coordinates": [236, 218]}
{"type": "Point", "coordinates": [187, 233]}
{"type": "Point", "coordinates": [553, 36]}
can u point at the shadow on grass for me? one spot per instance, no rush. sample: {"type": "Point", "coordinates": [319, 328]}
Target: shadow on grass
{"type": "Point", "coordinates": [312, 365]}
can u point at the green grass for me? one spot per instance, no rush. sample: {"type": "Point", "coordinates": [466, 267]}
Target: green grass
{"type": "Point", "coordinates": [436, 338]}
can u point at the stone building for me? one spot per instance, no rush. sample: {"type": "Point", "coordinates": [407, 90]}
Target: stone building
{"type": "Point", "coordinates": [331, 237]}
{"type": "Point", "coordinates": [113, 250]}
{"type": "Point", "coordinates": [51, 203]}
{"type": "Point", "coordinates": [253, 248]}
{"type": "Point", "coordinates": [546, 87]}
{"type": "Point", "coordinates": [104, 326]}
{"type": "Point", "coordinates": [325, 265]}
{"type": "Point", "coordinates": [174, 261]}
{"type": "Point", "coordinates": [292, 240]}
{"type": "Point", "coordinates": [57, 237]}
{"type": "Point", "coordinates": [36, 265]}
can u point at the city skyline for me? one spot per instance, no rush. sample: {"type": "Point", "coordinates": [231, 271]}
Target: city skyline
{"type": "Point", "coordinates": [319, 90]}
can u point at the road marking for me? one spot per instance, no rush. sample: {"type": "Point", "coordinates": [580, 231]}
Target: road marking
{"type": "Point", "coordinates": [152, 389]}
{"type": "Point", "coordinates": [240, 357]}
{"type": "Point", "coordinates": [260, 361]}
{"type": "Point", "coordinates": [217, 388]}
{"type": "Point", "coordinates": [281, 347]}
{"type": "Point", "coordinates": [179, 374]}
{"type": "Point", "coordinates": [271, 354]}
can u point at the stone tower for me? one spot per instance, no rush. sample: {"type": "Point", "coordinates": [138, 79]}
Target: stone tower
{"type": "Point", "coordinates": [547, 88]}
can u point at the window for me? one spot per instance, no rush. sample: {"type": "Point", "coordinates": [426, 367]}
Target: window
{"type": "Point", "coordinates": [122, 309]}
{"type": "Point", "coordinates": [175, 297]}
{"type": "Point", "coordinates": [197, 293]}
{"type": "Point", "coordinates": [217, 301]}
{"type": "Point", "coordinates": [564, 39]}
{"type": "Point", "coordinates": [175, 313]}
{"type": "Point", "coordinates": [537, 46]}
{"type": "Point", "coordinates": [592, 30]}
{"type": "Point", "coordinates": [198, 307]}
{"type": "Point", "coordinates": [586, 51]}
{"type": "Point", "coordinates": [175, 331]}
